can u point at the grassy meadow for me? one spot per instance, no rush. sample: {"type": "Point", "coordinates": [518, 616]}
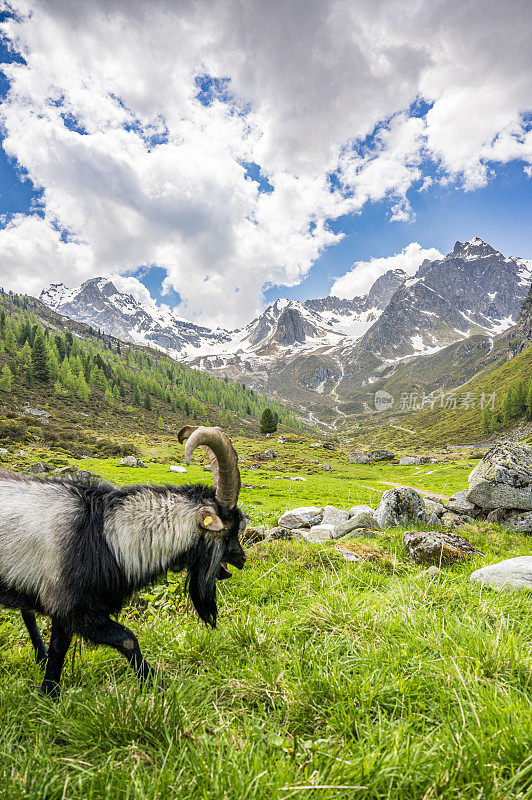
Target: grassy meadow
{"type": "Point", "coordinates": [324, 679]}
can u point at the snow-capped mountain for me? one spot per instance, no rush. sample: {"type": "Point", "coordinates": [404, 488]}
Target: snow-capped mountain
{"type": "Point", "coordinates": [98, 302]}
{"type": "Point", "coordinates": [326, 350]}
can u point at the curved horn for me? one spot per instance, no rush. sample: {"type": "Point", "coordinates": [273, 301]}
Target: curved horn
{"type": "Point", "coordinates": [223, 458]}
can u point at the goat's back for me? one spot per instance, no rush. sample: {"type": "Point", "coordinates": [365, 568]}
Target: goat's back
{"type": "Point", "coordinates": [36, 519]}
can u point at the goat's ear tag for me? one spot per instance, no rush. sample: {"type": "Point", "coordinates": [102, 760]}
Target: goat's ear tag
{"type": "Point", "coordinates": [211, 522]}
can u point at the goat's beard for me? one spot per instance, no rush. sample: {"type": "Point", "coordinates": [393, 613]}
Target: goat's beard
{"type": "Point", "coordinates": [202, 575]}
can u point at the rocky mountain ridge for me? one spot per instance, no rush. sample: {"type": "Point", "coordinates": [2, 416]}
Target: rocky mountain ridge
{"type": "Point", "coordinates": [323, 352]}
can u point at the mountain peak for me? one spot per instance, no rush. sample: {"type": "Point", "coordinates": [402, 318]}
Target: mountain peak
{"type": "Point", "coordinates": [474, 248]}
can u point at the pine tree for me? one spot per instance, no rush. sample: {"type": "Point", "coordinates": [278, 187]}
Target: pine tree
{"type": "Point", "coordinates": [108, 396]}
{"type": "Point", "coordinates": [267, 422]}
{"type": "Point", "coordinates": [529, 402]}
{"type": "Point", "coordinates": [5, 380]}
{"type": "Point", "coordinates": [147, 402]}
{"type": "Point", "coordinates": [2, 322]}
{"type": "Point", "coordinates": [40, 357]}
{"type": "Point", "coordinates": [160, 423]}
{"type": "Point", "coordinates": [488, 421]}
{"type": "Point", "coordinates": [82, 388]}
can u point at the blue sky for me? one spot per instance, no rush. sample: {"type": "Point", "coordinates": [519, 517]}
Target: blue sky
{"type": "Point", "coordinates": [256, 169]}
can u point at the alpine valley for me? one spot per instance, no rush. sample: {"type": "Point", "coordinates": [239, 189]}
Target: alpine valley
{"type": "Point", "coordinates": [328, 356]}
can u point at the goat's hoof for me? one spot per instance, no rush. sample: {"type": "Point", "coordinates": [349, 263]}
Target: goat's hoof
{"type": "Point", "coordinates": [50, 689]}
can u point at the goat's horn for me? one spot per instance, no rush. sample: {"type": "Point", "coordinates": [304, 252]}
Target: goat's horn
{"type": "Point", "coordinates": [223, 458]}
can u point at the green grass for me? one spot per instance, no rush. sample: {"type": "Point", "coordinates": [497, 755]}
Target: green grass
{"type": "Point", "coordinates": [322, 673]}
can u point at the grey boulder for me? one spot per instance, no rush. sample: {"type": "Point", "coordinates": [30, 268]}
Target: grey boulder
{"type": "Point", "coordinates": [357, 458]}
{"type": "Point", "coordinates": [131, 461]}
{"type": "Point", "coordinates": [410, 461]}
{"type": "Point", "coordinates": [400, 507]}
{"type": "Point", "coordinates": [503, 479]}
{"type": "Point", "coordinates": [333, 516]}
{"type": "Point", "coordinates": [381, 455]}
{"type": "Point", "coordinates": [513, 573]}
{"type": "Point", "coordinates": [519, 522]}
{"type": "Point", "coordinates": [459, 504]}
{"type": "Point", "coordinates": [303, 517]}
{"type": "Point", "coordinates": [438, 547]}
{"type": "Point", "coordinates": [318, 533]}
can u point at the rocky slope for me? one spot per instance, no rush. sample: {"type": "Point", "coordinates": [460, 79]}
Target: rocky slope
{"type": "Point", "coordinates": [523, 332]}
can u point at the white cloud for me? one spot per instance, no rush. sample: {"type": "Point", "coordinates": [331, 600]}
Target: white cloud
{"type": "Point", "coordinates": [130, 285]}
{"type": "Point", "coordinates": [149, 176]}
{"type": "Point", "coordinates": [363, 275]}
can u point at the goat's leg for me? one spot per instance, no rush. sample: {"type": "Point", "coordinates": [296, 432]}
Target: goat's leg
{"type": "Point", "coordinates": [39, 646]}
{"type": "Point", "coordinates": [57, 650]}
{"type": "Point", "coordinates": [122, 639]}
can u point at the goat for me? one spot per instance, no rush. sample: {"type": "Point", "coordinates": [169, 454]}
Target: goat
{"type": "Point", "coordinates": [77, 551]}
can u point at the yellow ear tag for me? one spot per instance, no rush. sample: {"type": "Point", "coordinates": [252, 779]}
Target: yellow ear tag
{"type": "Point", "coordinates": [207, 520]}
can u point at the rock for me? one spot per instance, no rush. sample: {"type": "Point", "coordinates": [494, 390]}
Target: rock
{"type": "Point", "coordinates": [435, 507]}
{"type": "Point", "coordinates": [273, 534]}
{"type": "Point", "coordinates": [381, 455]}
{"type": "Point", "coordinates": [318, 533]}
{"type": "Point", "coordinates": [490, 495]}
{"type": "Point", "coordinates": [362, 521]}
{"type": "Point", "coordinates": [497, 515]}
{"type": "Point", "coordinates": [347, 554]}
{"type": "Point", "coordinates": [333, 516]}
{"type": "Point", "coordinates": [437, 547]}
{"type": "Point", "coordinates": [303, 517]}
{"type": "Point", "coordinates": [298, 478]}
{"type": "Point", "coordinates": [141, 464]}
{"type": "Point", "coordinates": [328, 446]}
{"type": "Point", "coordinates": [451, 520]}
{"type": "Point", "coordinates": [357, 458]}
{"type": "Point", "coordinates": [503, 479]}
{"type": "Point", "coordinates": [410, 461]}
{"type": "Point", "coordinates": [519, 522]}
{"type": "Point", "coordinates": [431, 572]}
{"type": "Point", "coordinates": [358, 509]}
{"type": "Point", "coordinates": [513, 573]}
{"type": "Point", "coordinates": [400, 506]}
{"type": "Point", "coordinates": [37, 412]}
{"type": "Point", "coordinates": [22, 453]}
{"type": "Point", "coordinates": [40, 467]}
{"type": "Point", "coordinates": [178, 468]}
{"type": "Point", "coordinates": [359, 553]}
{"type": "Point", "coordinates": [253, 535]}
{"type": "Point", "coordinates": [270, 454]}
{"type": "Point", "coordinates": [208, 468]}
{"type": "Point", "coordinates": [280, 440]}
{"type": "Point", "coordinates": [4, 451]}
{"type": "Point", "coordinates": [327, 467]}
{"type": "Point", "coordinates": [459, 504]}
{"type": "Point", "coordinates": [128, 461]}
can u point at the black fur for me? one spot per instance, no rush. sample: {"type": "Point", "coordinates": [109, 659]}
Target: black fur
{"type": "Point", "coordinates": [94, 586]}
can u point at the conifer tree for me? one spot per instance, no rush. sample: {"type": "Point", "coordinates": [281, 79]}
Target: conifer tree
{"type": "Point", "coordinates": [147, 402]}
{"type": "Point", "coordinates": [137, 399]}
{"type": "Point", "coordinates": [82, 388]}
{"type": "Point", "coordinates": [40, 357]}
{"type": "Point", "coordinates": [267, 422]}
{"type": "Point", "coordinates": [5, 380]}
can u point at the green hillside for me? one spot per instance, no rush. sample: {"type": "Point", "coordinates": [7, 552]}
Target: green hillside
{"type": "Point", "coordinates": [85, 393]}
{"type": "Point", "coordinates": [439, 426]}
